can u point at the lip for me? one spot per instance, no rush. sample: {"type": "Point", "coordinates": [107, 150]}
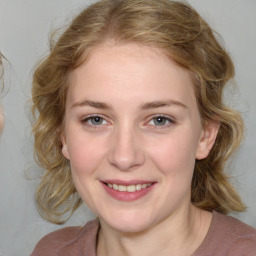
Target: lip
{"type": "Point", "coordinates": [127, 196]}
{"type": "Point", "coordinates": [129, 182]}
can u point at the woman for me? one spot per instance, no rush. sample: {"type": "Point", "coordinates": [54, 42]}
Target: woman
{"type": "Point", "coordinates": [129, 118]}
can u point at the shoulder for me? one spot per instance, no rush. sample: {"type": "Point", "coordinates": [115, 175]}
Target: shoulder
{"type": "Point", "coordinates": [228, 223]}
{"type": "Point", "coordinates": [228, 236]}
{"type": "Point", "coordinates": [243, 246]}
{"type": "Point", "coordinates": [241, 238]}
{"type": "Point", "coordinates": [67, 239]}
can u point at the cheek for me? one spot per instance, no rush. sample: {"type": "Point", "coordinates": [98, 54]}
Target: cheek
{"type": "Point", "coordinates": [175, 155]}
{"type": "Point", "coordinates": [84, 158]}
{"type": "Point", "coordinates": [84, 153]}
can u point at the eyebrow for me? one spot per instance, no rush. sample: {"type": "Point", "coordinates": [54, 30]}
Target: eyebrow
{"type": "Point", "coordinates": [145, 106]}
{"type": "Point", "coordinates": [164, 103]}
{"type": "Point", "coordinates": [94, 104]}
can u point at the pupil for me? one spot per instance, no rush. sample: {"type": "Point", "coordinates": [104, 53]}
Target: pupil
{"type": "Point", "coordinates": [97, 120]}
{"type": "Point", "coordinates": [160, 120]}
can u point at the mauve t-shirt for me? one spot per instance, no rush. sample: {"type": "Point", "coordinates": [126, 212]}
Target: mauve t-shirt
{"type": "Point", "coordinates": [227, 236]}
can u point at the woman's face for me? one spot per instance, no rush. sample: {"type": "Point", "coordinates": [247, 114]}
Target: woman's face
{"type": "Point", "coordinates": [1, 119]}
{"type": "Point", "coordinates": [132, 134]}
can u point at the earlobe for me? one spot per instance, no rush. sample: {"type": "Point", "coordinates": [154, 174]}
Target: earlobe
{"type": "Point", "coordinates": [207, 139]}
{"type": "Point", "coordinates": [64, 146]}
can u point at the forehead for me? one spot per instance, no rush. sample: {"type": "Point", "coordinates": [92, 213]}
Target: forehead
{"type": "Point", "coordinates": [130, 69]}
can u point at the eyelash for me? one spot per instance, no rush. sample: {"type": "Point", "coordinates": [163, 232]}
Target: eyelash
{"type": "Point", "coordinates": [89, 118]}
{"type": "Point", "coordinates": [165, 118]}
{"type": "Point", "coordinates": [170, 121]}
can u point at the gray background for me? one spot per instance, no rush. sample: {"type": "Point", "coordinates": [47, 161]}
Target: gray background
{"type": "Point", "coordinates": [24, 30]}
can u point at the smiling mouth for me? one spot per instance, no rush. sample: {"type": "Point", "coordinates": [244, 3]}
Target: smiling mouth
{"type": "Point", "coordinates": [129, 188]}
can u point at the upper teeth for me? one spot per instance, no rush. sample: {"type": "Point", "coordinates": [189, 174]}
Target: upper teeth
{"type": "Point", "coordinates": [130, 188]}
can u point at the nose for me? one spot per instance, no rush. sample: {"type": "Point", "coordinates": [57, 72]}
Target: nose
{"type": "Point", "coordinates": [126, 150]}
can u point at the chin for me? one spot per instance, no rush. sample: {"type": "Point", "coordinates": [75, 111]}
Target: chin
{"type": "Point", "coordinates": [128, 223]}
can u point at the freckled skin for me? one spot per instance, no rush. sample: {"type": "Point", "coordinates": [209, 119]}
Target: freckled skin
{"type": "Point", "coordinates": [128, 144]}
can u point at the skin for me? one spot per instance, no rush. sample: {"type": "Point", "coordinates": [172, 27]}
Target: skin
{"type": "Point", "coordinates": [122, 139]}
{"type": "Point", "coordinates": [1, 118]}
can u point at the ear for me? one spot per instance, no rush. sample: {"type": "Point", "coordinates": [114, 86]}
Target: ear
{"type": "Point", "coordinates": [64, 145]}
{"type": "Point", "coordinates": [207, 139]}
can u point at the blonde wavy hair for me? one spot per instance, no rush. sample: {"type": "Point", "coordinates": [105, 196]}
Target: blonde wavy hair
{"type": "Point", "coordinates": [179, 32]}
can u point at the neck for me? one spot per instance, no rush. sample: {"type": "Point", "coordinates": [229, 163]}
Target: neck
{"type": "Point", "coordinates": [179, 234]}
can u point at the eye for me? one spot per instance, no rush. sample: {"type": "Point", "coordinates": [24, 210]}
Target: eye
{"type": "Point", "coordinates": [94, 120]}
{"type": "Point", "coordinates": [161, 121]}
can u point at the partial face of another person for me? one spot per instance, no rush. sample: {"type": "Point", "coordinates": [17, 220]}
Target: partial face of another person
{"type": "Point", "coordinates": [1, 119]}
{"type": "Point", "coordinates": [132, 134]}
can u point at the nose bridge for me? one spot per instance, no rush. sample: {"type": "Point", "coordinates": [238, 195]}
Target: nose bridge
{"type": "Point", "coordinates": [126, 150]}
